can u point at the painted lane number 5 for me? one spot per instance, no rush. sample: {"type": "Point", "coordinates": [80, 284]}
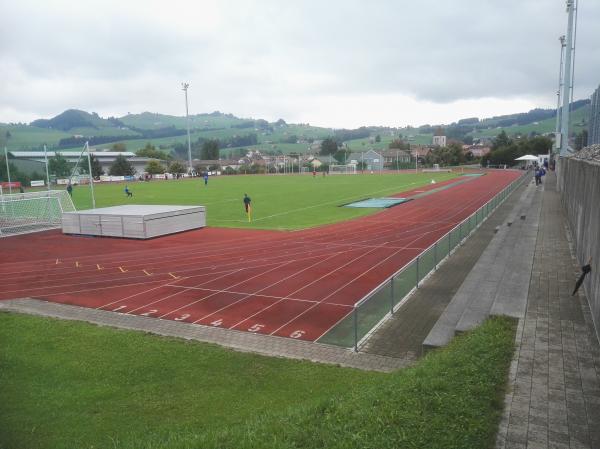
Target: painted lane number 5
{"type": "Point", "coordinates": [256, 328]}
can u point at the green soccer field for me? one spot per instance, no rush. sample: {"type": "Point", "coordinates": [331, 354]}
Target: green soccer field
{"type": "Point", "coordinates": [278, 202]}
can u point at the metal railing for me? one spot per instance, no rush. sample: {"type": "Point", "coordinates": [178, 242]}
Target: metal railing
{"type": "Point", "coordinates": [389, 296]}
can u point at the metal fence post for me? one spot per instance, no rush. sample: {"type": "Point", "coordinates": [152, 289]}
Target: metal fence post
{"type": "Point", "coordinates": [355, 331]}
{"type": "Point", "coordinates": [392, 294]}
{"type": "Point", "coordinates": [417, 272]}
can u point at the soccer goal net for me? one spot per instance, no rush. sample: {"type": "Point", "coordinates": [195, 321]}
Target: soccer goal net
{"type": "Point", "coordinates": [21, 213]}
{"type": "Point", "coordinates": [348, 169]}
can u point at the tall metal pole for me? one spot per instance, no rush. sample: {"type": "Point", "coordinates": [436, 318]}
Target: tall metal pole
{"type": "Point", "coordinates": [560, 71]}
{"type": "Point", "coordinates": [566, 96]}
{"type": "Point", "coordinates": [416, 161]}
{"type": "Point", "coordinates": [91, 177]}
{"type": "Point", "coordinates": [7, 171]}
{"type": "Point", "coordinates": [187, 119]}
{"type": "Point", "coordinates": [47, 173]}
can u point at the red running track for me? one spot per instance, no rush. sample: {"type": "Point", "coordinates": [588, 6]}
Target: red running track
{"type": "Point", "coordinates": [290, 284]}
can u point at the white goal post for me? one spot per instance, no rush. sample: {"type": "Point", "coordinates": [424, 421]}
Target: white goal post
{"type": "Point", "coordinates": [22, 213]}
{"type": "Point", "coordinates": [347, 169]}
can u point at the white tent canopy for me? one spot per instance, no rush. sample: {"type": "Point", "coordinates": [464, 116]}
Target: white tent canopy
{"type": "Point", "coordinates": [527, 157]}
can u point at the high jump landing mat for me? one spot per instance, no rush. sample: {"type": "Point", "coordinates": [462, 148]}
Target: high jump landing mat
{"type": "Point", "coordinates": [134, 221]}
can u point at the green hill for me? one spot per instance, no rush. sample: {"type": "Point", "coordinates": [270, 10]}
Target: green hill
{"type": "Point", "coordinates": [72, 128]}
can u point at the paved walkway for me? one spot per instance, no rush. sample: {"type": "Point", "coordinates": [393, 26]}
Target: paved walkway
{"type": "Point", "coordinates": [554, 397]}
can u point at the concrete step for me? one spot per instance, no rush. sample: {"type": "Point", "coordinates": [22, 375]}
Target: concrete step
{"type": "Point", "coordinates": [475, 297]}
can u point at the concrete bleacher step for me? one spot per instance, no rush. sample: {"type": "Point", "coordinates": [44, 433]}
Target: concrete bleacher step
{"type": "Point", "coordinates": [512, 299]}
{"type": "Point", "coordinates": [484, 286]}
{"type": "Point", "coordinates": [509, 264]}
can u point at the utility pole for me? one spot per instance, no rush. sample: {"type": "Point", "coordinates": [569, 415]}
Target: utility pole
{"type": "Point", "coordinates": [187, 119]}
{"type": "Point", "coordinates": [567, 84]}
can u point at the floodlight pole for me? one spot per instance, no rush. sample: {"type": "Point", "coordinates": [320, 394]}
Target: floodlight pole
{"type": "Point", "coordinates": [416, 162]}
{"type": "Point", "coordinates": [566, 96]}
{"type": "Point", "coordinates": [560, 70]}
{"type": "Point", "coordinates": [91, 177]}
{"type": "Point", "coordinates": [7, 171]}
{"type": "Point", "coordinates": [187, 119]}
{"type": "Point", "coordinates": [47, 173]}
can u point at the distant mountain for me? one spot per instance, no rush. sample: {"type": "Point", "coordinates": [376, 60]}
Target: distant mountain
{"type": "Point", "coordinates": [74, 118]}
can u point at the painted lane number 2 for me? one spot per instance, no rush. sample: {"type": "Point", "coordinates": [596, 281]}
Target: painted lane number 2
{"type": "Point", "coordinates": [149, 312]}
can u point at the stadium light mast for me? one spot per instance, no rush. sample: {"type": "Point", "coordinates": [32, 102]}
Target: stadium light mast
{"type": "Point", "coordinates": [46, 163]}
{"type": "Point", "coordinates": [87, 145]}
{"type": "Point", "coordinates": [560, 80]}
{"type": "Point", "coordinates": [187, 119]}
{"type": "Point", "coordinates": [567, 84]}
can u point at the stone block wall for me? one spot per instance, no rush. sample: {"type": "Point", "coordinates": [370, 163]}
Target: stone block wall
{"type": "Point", "coordinates": [580, 196]}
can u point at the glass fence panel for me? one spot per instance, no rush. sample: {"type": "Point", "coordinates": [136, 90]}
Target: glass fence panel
{"type": "Point", "coordinates": [426, 263]}
{"type": "Point", "coordinates": [442, 248]}
{"type": "Point", "coordinates": [405, 281]}
{"type": "Point", "coordinates": [370, 312]}
{"type": "Point", "coordinates": [342, 334]}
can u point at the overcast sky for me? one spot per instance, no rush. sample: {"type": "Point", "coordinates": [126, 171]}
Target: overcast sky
{"type": "Point", "coordinates": [336, 63]}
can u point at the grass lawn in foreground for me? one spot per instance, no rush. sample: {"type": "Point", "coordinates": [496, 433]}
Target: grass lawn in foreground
{"type": "Point", "coordinates": [67, 384]}
{"type": "Point", "coordinates": [278, 202]}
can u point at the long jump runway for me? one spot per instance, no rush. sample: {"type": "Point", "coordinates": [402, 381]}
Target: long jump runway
{"type": "Point", "coordinates": [290, 284]}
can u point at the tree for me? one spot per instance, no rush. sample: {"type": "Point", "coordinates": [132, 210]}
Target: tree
{"type": "Point", "coordinates": [398, 144]}
{"type": "Point", "coordinates": [328, 146]}
{"type": "Point", "coordinates": [377, 138]}
{"type": "Point", "coordinates": [59, 166]}
{"type": "Point", "coordinates": [150, 151]}
{"type": "Point", "coordinates": [501, 140]}
{"type": "Point", "coordinates": [154, 167]}
{"type": "Point", "coordinates": [210, 150]}
{"type": "Point", "coordinates": [177, 167]}
{"type": "Point", "coordinates": [120, 147]}
{"type": "Point", "coordinates": [121, 167]}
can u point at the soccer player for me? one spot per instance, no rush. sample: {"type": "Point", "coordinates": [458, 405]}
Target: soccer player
{"type": "Point", "coordinates": [128, 192]}
{"type": "Point", "coordinates": [206, 178]}
{"type": "Point", "coordinates": [248, 206]}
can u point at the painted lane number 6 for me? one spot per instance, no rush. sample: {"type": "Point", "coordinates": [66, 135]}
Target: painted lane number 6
{"type": "Point", "coordinates": [297, 334]}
